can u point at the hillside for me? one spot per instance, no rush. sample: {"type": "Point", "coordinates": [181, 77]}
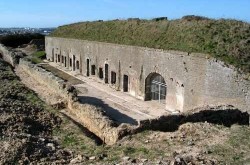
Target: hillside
{"type": "Point", "coordinates": [227, 40]}
{"type": "Point", "coordinates": [15, 40]}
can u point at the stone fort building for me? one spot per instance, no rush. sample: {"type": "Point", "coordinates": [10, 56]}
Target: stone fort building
{"type": "Point", "coordinates": [178, 80]}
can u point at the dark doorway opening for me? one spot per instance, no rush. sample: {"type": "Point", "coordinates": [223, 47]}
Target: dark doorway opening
{"type": "Point", "coordinates": [77, 65]}
{"type": "Point", "coordinates": [113, 77]}
{"type": "Point", "coordinates": [70, 62]}
{"type": "Point", "coordinates": [65, 61]}
{"type": "Point", "coordinates": [92, 69]}
{"type": "Point", "coordinates": [74, 62]}
{"type": "Point", "coordinates": [100, 73]}
{"type": "Point", "coordinates": [87, 67]}
{"type": "Point", "coordinates": [125, 83]}
{"type": "Point", "coordinates": [58, 58]}
{"type": "Point", "coordinates": [106, 73]}
{"type": "Point", "coordinates": [62, 59]}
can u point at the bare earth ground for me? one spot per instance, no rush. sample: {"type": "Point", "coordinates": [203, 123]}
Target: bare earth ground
{"type": "Point", "coordinates": [26, 125]}
{"type": "Point", "coordinates": [191, 143]}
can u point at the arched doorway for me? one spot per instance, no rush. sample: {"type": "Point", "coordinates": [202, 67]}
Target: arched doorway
{"type": "Point", "coordinates": [156, 88]}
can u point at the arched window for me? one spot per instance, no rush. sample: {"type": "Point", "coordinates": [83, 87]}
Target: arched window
{"type": "Point", "coordinates": [156, 88]}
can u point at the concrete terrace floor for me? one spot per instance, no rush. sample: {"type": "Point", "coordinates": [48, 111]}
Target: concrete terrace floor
{"type": "Point", "coordinates": [119, 106]}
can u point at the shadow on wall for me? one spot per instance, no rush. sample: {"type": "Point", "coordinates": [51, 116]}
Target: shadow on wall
{"type": "Point", "coordinates": [112, 113]}
{"type": "Point", "coordinates": [171, 123]}
{"type": "Point", "coordinates": [85, 131]}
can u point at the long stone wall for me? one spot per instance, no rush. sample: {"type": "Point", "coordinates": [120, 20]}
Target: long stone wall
{"type": "Point", "coordinates": [53, 82]}
{"type": "Point", "coordinates": [193, 80]}
{"type": "Point", "coordinates": [9, 55]}
{"type": "Point", "coordinates": [96, 121]}
{"type": "Point", "coordinates": [89, 116]}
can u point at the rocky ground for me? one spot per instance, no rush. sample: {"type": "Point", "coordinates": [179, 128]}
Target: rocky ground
{"type": "Point", "coordinates": [33, 133]}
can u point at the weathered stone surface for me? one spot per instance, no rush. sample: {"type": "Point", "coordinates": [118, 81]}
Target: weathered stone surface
{"type": "Point", "coordinates": [91, 117]}
{"type": "Point", "coordinates": [192, 79]}
{"type": "Point", "coordinates": [10, 55]}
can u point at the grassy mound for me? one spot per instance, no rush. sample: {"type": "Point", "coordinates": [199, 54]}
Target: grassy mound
{"type": "Point", "coordinates": [227, 40]}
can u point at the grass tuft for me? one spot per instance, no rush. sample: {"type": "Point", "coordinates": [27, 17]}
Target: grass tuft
{"type": "Point", "coordinates": [38, 57]}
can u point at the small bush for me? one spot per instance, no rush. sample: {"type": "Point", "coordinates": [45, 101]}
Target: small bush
{"type": "Point", "coordinates": [194, 18]}
{"type": "Point", "coordinates": [38, 57]}
{"type": "Point", "coordinates": [160, 19]}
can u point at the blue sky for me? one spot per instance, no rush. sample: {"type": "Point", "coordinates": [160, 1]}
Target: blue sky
{"type": "Point", "coordinates": [53, 13]}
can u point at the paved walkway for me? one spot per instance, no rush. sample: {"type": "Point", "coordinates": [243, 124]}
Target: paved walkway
{"type": "Point", "coordinates": [120, 106]}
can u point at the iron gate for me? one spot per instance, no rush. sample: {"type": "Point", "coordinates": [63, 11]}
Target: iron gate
{"type": "Point", "coordinates": [158, 89]}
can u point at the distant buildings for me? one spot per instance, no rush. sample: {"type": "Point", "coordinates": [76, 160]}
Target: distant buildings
{"type": "Point", "coordinates": [9, 31]}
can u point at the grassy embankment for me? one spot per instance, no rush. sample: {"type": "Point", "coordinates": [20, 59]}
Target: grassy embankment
{"type": "Point", "coordinates": [38, 57]}
{"type": "Point", "coordinates": [227, 40]}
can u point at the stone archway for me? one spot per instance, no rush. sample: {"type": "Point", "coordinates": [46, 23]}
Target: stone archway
{"type": "Point", "coordinates": [155, 88]}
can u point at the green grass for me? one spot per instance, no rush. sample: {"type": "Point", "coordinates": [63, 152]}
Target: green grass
{"type": "Point", "coordinates": [236, 149]}
{"type": "Point", "coordinates": [69, 140]}
{"type": "Point", "coordinates": [38, 57]}
{"type": "Point", "coordinates": [227, 40]}
{"type": "Point", "coordinates": [72, 137]}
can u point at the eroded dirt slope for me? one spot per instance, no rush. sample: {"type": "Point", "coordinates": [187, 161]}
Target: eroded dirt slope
{"type": "Point", "coordinates": [25, 126]}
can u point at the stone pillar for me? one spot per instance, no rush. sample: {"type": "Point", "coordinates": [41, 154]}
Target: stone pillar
{"type": "Point", "coordinates": [68, 61]}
